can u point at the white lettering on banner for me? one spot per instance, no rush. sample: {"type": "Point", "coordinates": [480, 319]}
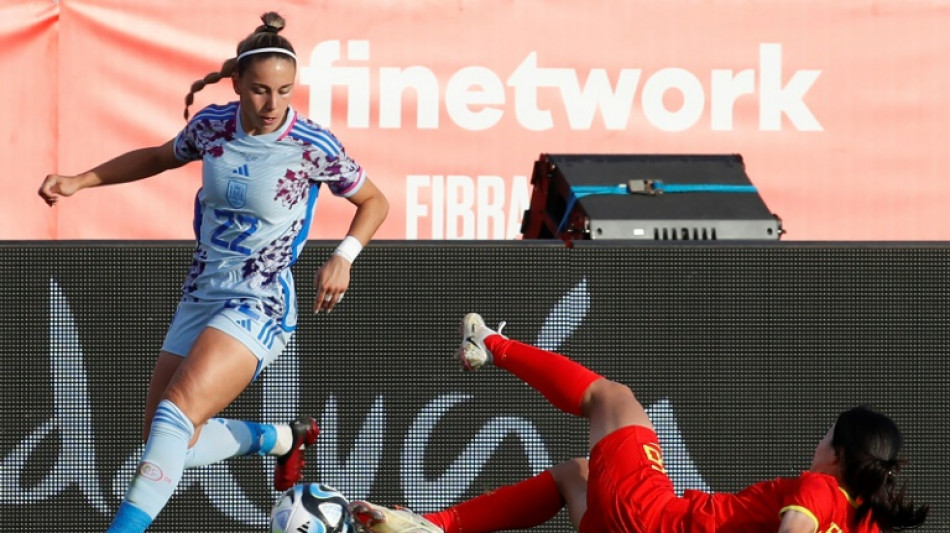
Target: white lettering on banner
{"type": "Point", "coordinates": [776, 100]}
{"type": "Point", "coordinates": [475, 98]}
{"type": "Point", "coordinates": [464, 208]}
{"type": "Point", "coordinates": [75, 465]}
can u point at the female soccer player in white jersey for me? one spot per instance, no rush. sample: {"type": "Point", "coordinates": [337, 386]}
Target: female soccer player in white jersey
{"type": "Point", "coordinates": [263, 166]}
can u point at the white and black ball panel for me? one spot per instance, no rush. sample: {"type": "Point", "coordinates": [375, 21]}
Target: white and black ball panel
{"type": "Point", "coordinates": [311, 508]}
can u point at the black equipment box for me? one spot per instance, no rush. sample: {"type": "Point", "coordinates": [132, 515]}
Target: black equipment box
{"type": "Point", "coordinates": [646, 197]}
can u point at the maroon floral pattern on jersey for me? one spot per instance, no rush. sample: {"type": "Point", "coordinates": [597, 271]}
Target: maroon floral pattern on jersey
{"type": "Point", "coordinates": [315, 167]}
{"type": "Point", "coordinates": [198, 264]}
{"type": "Point", "coordinates": [263, 268]}
{"type": "Point", "coordinates": [205, 136]}
{"type": "Point", "coordinates": [334, 168]}
{"type": "Point", "coordinates": [210, 135]}
{"type": "Point", "coordinates": [292, 188]}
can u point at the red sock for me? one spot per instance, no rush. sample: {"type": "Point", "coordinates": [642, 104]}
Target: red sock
{"type": "Point", "coordinates": [523, 505]}
{"type": "Point", "coordinates": [562, 381]}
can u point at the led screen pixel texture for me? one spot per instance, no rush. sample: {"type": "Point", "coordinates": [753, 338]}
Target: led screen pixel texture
{"type": "Point", "coordinates": [743, 355]}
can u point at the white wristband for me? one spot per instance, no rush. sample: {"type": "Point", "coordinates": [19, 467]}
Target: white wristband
{"type": "Point", "coordinates": [349, 248]}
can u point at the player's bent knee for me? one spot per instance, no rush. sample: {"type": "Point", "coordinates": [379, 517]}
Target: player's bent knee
{"type": "Point", "coordinates": [190, 406]}
{"type": "Point", "coordinates": [606, 393]}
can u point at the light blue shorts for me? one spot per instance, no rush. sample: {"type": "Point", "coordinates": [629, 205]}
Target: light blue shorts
{"type": "Point", "coordinates": [242, 319]}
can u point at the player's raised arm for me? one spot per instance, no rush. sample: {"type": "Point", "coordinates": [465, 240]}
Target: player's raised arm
{"type": "Point", "coordinates": [130, 166]}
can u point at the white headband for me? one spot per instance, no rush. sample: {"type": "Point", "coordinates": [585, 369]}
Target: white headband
{"type": "Point", "coordinates": [265, 50]}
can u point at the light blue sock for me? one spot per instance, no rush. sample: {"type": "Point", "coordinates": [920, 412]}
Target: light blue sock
{"type": "Point", "coordinates": [159, 470]}
{"type": "Point", "coordinates": [221, 438]}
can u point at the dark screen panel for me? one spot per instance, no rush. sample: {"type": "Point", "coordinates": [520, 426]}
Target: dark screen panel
{"type": "Point", "coordinates": [744, 356]}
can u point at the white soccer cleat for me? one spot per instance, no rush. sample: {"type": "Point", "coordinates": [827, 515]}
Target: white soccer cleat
{"type": "Point", "coordinates": [472, 352]}
{"type": "Point", "coordinates": [378, 519]}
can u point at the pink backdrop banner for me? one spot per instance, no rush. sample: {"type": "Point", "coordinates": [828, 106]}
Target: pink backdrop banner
{"type": "Point", "coordinates": [838, 108]}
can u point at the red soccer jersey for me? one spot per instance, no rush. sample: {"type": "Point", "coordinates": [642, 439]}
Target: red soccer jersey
{"type": "Point", "coordinates": [759, 507]}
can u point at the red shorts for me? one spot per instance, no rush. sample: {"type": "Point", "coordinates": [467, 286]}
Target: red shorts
{"type": "Point", "coordinates": [628, 489]}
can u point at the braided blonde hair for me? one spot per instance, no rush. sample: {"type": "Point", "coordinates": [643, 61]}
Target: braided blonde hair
{"type": "Point", "coordinates": [264, 36]}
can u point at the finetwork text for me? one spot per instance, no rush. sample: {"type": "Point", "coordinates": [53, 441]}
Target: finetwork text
{"type": "Point", "coordinates": [476, 98]}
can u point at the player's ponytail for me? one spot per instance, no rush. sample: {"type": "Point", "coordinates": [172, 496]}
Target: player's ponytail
{"type": "Point", "coordinates": [868, 443]}
{"type": "Point", "coordinates": [214, 77]}
{"type": "Point", "coordinates": [265, 39]}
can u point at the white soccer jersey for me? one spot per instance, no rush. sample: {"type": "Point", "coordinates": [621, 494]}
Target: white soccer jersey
{"type": "Point", "coordinates": [258, 195]}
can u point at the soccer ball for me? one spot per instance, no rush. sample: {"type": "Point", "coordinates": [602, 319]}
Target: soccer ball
{"type": "Point", "coordinates": [311, 508]}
